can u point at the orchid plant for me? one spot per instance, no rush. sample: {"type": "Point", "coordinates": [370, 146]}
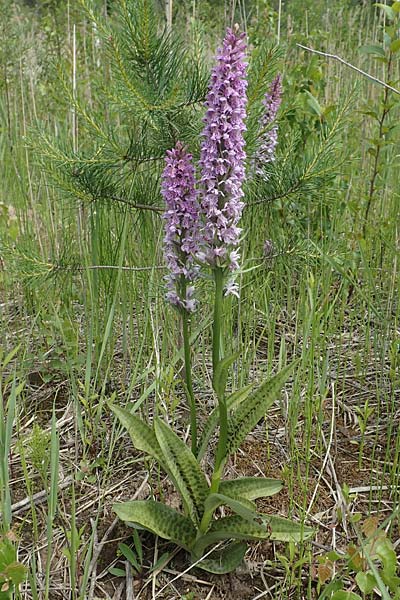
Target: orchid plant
{"type": "Point", "coordinates": [202, 231]}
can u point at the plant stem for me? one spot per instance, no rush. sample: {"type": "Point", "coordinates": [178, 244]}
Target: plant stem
{"type": "Point", "coordinates": [223, 413]}
{"type": "Point", "coordinates": [219, 288]}
{"type": "Point", "coordinates": [188, 381]}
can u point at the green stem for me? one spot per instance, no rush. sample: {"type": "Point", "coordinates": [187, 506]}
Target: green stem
{"type": "Point", "coordinates": [189, 382]}
{"type": "Point", "coordinates": [219, 298]}
{"type": "Point", "coordinates": [220, 457]}
{"type": "Point", "coordinates": [223, 413]}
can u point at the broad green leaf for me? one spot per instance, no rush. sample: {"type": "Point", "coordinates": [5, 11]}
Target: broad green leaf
{"type": "Point", "coordinates": [225, 560]}
{"type": "Point", "coordinates": [395, 46]}
{"type": "Point", "coordinates": [396, 6]}
{"type": "Point", "coordinates": [231, 402]}
{"type": "Point", "coordinates": [313, 103]}
{"type": "Point", "coordinates": [341, 595]}
{"type": "Point", "coordinates": [268, 527]}
{"type": "Point", "coordinates": [233, 527]}
{"type": "Point", "coordinates": [372, 49]}
{"type": "Point", "coordinates": [142, 436]}
{"type": "Point", "coordinates": [250, 488]}
{"type": "Point", "coordinates": [221, 374]}
{"type": "Point", "coordinates": [246, 417]}
{"type": "Point", "coordinates": [285, 530]}
{"type": "Point", "coordinates": [242, 507]}
{"type": "Point", "coordinates": [159, 519]}
{"type": "Point", "coordinates": [183, 469]}
{"type": "Point", "coordinates": [384, 550]}
{"type": "Point", "coordinates": [366, 582]}
{"type": "Point", "coordinates": [388, 10]}
{"type": "Point", "coordinates": [16, 572]}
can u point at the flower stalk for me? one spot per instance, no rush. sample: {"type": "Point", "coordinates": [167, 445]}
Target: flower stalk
{"type": "Point", "coordinates": [222, 175]}
{"type": "Point", "coordinates": [189, 381]}
{"type": "Point", "coordinates": [180, 244]}
{"type": "Point", "coordinates": [269, 128]}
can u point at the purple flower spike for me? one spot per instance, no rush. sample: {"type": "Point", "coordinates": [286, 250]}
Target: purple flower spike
{"type": "Point", "coordinates": [269, 135]}
{"type": "Point", "coordinates": [181, 227]}
{"type": "Point", "coordinates": [222, 154]}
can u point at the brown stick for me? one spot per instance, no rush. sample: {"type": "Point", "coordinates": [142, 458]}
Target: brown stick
{"type": "Point", "coordinates": [345, 62]}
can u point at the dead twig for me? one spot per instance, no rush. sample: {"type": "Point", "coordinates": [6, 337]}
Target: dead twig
{"type": "Point", "coordinates": [347, 64]}
{"type": "Point", "coordinates": [37, 498]}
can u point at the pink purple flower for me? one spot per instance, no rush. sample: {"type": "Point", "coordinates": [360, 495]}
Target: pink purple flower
{"type": "Point", "coordinates": [268, 248]}
{"type": "Point", "coordinates": [182, 223]}
{"type": "Point", "coordinates": [222, 155]}
{"type": "Point", "coordinates": [269, 128]}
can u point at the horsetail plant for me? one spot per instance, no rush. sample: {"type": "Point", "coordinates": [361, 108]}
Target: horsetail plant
{"type": "Point", "coordinates": [217, 201]}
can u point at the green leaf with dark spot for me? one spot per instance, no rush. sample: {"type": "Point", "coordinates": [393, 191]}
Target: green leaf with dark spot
{"type": "Point", "coordinates": [267, 528]}
{"type": "Point", "coordinates": [240, 506]}
{"type": "Point", "coordinates": [246, 417]}
{"type": "Point", "coordinates": [210, 425]}
{"type": "Point", "coordinates": [225, 560]}
{"type": "Point", "coordinates": [159, 519]}
{"type": "Point", "coordinates": [286, 530]}
{"type": "Point", "coordinates": [183, 469]}
{"type": "Point", "coordinates": [142, 436]}
{"type": "Point", "coordinates": [250, 488]}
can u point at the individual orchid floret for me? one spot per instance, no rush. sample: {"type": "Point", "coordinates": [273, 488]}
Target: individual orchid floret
{"type": "Point", "coordinates": [269, 128]}
{"type": "Point", "coordinates": [268, 248]}
{"type": "Point", "coordinates": [182, 222]}
{"type": "Point", "coordinates": [222, 154]}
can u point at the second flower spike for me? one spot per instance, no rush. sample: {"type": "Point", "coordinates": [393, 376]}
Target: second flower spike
{"type": "Point", "coordinates": [181, 227]}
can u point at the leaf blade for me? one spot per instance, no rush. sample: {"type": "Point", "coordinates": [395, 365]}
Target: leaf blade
{"type": "Point", "coordinates": [183, 469]}
{"type": "Point", "coordinates": [268, 527]}
{"type": "Point", "coordinates": [142, 436]}
{"type": "Point", "coordinates": [159, 519]}
{"type": "Point", "coordinates": [250, 488]}
{"type": "Point", "coordinates": [249, 413]}
{"type": "Point", "coordinates": [224, 561]}
{"type": "Point", "coordinates": [240, 506]}
{"type": "Point", "coordinates": [210, 425]}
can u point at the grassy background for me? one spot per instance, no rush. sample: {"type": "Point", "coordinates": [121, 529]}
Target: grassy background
{"type": "Point", "coordinates": [328, 293]}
